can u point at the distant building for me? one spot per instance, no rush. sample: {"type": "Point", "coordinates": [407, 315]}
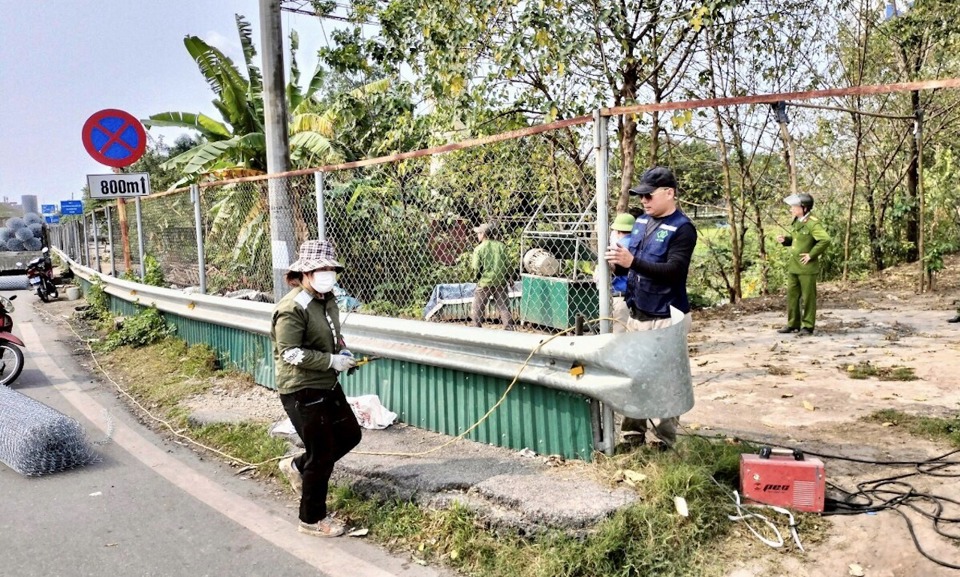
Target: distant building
{"type": "Point", "coordinates": [29, 202]}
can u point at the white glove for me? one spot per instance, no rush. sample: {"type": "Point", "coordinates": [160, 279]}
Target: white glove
{"type": "Point", "coordinates": [342, 363]}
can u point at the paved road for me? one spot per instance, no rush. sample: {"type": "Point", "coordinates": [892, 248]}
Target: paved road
{"type": "Point", "coordinates": [151, 507]}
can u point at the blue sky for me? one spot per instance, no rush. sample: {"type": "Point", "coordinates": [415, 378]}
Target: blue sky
{"type": "Point", "coordinates": [63, 60]}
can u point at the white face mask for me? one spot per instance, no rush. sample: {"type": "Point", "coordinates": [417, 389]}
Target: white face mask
{"type": "Point", "coordinates": [323, 281]}
{"type": "Point", "coordinates": [617, 237]}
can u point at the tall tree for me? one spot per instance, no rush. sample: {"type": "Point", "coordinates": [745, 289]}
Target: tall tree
{"type": "Point", "coordinates": [544, 60]}
{"type": "Point", "coordinates": [236, 146]}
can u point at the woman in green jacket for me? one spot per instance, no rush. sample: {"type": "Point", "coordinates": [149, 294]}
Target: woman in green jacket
{"type": "Point", "coordinates": [808, 240]}
{"type": "Point", "coordinates": [308, 355]}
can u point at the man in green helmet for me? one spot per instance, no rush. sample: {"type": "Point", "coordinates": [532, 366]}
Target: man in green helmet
{"type": "Point", "coordinates": [807, 241]}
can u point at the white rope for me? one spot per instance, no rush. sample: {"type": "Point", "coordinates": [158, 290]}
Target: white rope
{"type": "Point", "coordinates": [744, 515]}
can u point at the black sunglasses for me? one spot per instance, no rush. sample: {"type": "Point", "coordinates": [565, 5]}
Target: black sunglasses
{"type": "Point", "coordinates": [648, 195]}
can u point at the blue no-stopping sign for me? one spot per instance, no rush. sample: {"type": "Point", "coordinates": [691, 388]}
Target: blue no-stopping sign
{"type": "Point", "coordinates": [114, 137]}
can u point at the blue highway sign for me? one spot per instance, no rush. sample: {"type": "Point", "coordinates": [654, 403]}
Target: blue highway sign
{"type": "Point", "coordinates": [52, 219]}
{"type": "Point", "coordinates": [48, 208]}
{"type": "Point", "coordinates": [71, 207]}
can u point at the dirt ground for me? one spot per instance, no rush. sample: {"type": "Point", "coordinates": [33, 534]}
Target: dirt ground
{"type": "Point", "coordinates": [755, 383]}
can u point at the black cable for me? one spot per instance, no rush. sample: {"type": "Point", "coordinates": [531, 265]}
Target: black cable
{"type": "Point", "coordinates": [891, 494]}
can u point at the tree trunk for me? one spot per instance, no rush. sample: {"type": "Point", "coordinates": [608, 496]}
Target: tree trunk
{"type": "Point", "coordinates": [858, 124]}
{"type": "Point", "coordinates": [912, 220]}
{"type": "Point", "coordinates": [873, 230]}
{"type": "Point", "coordinates": [655, 138]}
{"type": "Point", "coordinates": [628, 151]}
{"type": "Point", "coordinates": [734, 289]}
{"type": "Point", "coordinates": [628, 137]}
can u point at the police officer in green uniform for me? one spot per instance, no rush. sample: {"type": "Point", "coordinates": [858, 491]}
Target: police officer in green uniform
{"type": "Point", "coordinates": [808, 240]}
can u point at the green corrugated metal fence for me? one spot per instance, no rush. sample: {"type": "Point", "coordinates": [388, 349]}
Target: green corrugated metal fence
{"type": "Point", "coordinates": [443, 400]}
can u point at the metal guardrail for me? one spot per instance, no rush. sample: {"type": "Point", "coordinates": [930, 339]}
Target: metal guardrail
{"type": "Point", "coordinates": [638, 374]}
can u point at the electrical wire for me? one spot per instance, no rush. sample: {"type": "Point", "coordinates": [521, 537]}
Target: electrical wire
{"type": "Point", "coordinates": [891, 494]}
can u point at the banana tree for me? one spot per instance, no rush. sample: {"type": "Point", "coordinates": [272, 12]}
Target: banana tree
{"type": "Point", "coordinates": [236, 145]}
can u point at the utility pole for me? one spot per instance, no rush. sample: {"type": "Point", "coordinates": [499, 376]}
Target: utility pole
{"type": "Point", "coordinates": [282, 238]}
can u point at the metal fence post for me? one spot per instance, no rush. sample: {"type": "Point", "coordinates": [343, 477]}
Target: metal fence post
{"type": "Point", "coordinates": [113, 261]}
{"type": "Point", "coordinates": [75, 241]}
{"type": "Point", "coordinates": [321, 216]}
{"type": "Point", "coordinates": [143, 264]}
{"type": "Point", "coordinates": [85, 256]}
{"type": "Point", "coordinates": [195, 197]}
{"type": "Point", "coordinates": [96, 239]}
{"type": "Point", "coordinates": [601, 148]}
{"type": "Point", "coordinates": [604, 427]}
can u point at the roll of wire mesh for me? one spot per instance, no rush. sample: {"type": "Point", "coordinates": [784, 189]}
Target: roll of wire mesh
{"type": "Point", "coordinates": [38, 440]}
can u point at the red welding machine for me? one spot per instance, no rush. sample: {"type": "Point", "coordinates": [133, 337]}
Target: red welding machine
{"type": "Point", "coordinates": [783, 478]}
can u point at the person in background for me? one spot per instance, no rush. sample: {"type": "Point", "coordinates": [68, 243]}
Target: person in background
{"type": "Point", "coordinates": [492, 268]}
{"type": "Point", "coordinates": [657, 259]}
{"type": "Point", "coordinates": [309, 355]}
{"type": "Point", "coordinates": [620, 235]}
{"type": "Point", "coordinates": [808, 240]}
{"type": "Point", "coordinates": [956, 318]}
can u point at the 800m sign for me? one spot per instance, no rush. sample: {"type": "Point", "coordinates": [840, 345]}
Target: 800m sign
{"type": "Point", "coordinates": [118, 185]}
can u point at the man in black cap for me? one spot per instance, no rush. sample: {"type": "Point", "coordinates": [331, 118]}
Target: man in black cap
{"type": "Point", "coordinates": [657, 258]}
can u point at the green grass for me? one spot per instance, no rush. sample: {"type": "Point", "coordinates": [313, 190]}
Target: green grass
{"type": "Point", "coordinates": [938, 429]}
{"type": "Point", "coordinates": [865, 370]}
{"type": "Point", "coordinates": [250, 442]}
{"type": "Point", "coordinates": [163, 375]}
{"type": "Point", "coordinates": [646, 538]}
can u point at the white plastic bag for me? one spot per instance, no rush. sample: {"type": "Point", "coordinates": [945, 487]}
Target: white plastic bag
{"type": "Point", "coordinates": [371, 414]}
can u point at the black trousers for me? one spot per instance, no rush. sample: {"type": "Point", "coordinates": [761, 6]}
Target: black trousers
{"type": "Point", "coordinates": [329, 430]}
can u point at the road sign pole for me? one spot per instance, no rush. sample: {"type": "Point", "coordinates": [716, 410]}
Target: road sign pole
{"type": "Point", "coordinates": [143, 264]}
{"type": "Point", "coordinates": [124, 233]}
{"type": "Point", "coordinates": [96, 238]}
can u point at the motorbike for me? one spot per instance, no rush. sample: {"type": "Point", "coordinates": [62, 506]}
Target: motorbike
{"type": "Point", "coordinates": [11, 357]}
{"type": "Point", "coordinates": [40, 276]}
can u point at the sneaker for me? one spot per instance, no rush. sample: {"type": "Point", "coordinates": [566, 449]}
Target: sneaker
{"type": "Point", "coordinates": [660, 446]}
{"type": "Point", "coordinates": [293, 476]}
{"type": "Point", "coordinates": [328, 527]}
{"type": "Point", "coordinates": [635, 438]}
{"type": "Point", "coordinates": [806, 331]}
{"type": "Point", "coordinates": [955, 319]}
{"type": "Point", "coordinates": [786, 330]}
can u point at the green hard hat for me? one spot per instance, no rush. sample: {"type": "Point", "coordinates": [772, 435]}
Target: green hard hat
{"type": "Point", "coordinates": [623, 222]}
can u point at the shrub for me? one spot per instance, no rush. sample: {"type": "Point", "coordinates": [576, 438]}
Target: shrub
{"type": "Point", "coordinates": [146, 327]}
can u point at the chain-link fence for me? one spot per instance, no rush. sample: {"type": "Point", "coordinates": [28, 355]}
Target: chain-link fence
{"type": "Point", "coordinates": [404, 229]}
{"type": "Point", "coordinates": [405, 226]}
